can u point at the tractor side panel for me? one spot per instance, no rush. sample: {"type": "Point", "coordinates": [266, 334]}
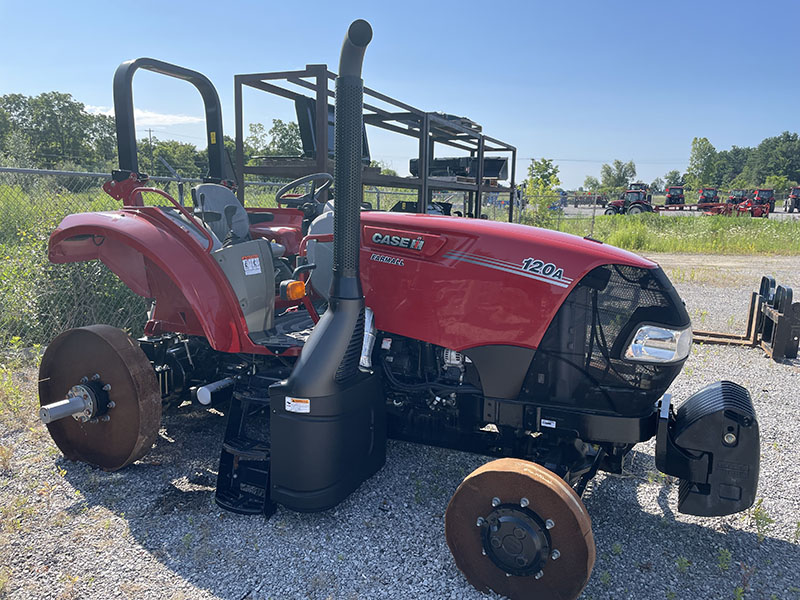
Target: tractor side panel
{"type": "Point", "coordinates": [160, 260]}
{"type": "Point", "coordinates": [461, 283]}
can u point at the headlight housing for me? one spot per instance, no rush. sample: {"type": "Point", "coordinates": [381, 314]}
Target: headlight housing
{"type": "Point", "coordinates": [658, 344]}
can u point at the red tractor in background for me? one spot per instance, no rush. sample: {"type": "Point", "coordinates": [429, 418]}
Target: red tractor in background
{"type": "Point", "coordinates": [764, 196]}
{"type": "Point", "coordinates": [738, 196]}
{"type": "Point", "coordinates": [549, 352]}
{"type": "Point", "coordinates": [631, 202]}
{"type": "Point", "coordinates": [674, 195]}
{"type": "Point", "coordinates": [708, 195]}
{"type": "Point", "coordinates": [793, 201]}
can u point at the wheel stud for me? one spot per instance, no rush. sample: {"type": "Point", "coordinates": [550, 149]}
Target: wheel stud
{"type": "Point", "coordinates": [549, 523]}
{"type": "Point", "coordinates": [495, 502]}
{"type": "Point", "coordinates": [539, 575]}
{"type": "Point", "coordinates": [95, 377]}
{"type": "Point", "coordinates": [107, 387]}
{"type": "Point", "coordinates": [524, 502]}
{"type": "Point", "coordinates": [480, 522]}
{"type": "Point", "coordinates": [111, 404]}
{"type": "Point", "coordinates": [84, 380]}
{"type": "Point", "coordinates": [555, 554]}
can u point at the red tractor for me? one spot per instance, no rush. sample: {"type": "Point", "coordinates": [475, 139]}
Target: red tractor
{"type": "Point", "coordinates": [631, 202]}
{"type": "Point", "coordinates": [738, 196]}
{"type": "Point", "coordinates": [321, 329]}
{"type": "Point", "coordinates": [708, 195]}
{"type": "Point", "coordinates": [764, 196]}
{"type": "Point", "coordinates": [674, 195]}
{"type": "Point", "coordinates": [793, 201]}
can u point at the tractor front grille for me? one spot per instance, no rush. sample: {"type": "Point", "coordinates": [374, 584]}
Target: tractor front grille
{"type": "Point", "coordinates": [579, 361]}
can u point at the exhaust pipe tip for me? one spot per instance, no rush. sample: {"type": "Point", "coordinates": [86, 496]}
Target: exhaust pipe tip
{"type": "Point", "coordinates": [360, 33]}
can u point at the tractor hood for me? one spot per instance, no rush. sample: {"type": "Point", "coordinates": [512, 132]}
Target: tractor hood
{"type": "Point", "coordinates": [490, 283]}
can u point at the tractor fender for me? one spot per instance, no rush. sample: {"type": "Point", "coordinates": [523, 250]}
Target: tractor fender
{"type": "Point", "coordinates": [157, 258]}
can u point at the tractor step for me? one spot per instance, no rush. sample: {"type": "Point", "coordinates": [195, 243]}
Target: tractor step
{"type": "Point", "coordinates": [290, 330]}
{"type": "Point", "coordinates": [247, 449]}
{"type": "Point", "coordinates": [243, 478]}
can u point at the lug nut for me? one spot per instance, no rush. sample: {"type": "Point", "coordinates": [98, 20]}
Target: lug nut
{"type": "Point", "coordinates": [555, 554]}
{"type": "Point", "coordinates": [524, 502]}
{"type": "Point", "coordinates": [95, 377]}
{"type": "Point", "coordinates": [730, 439]}
{"type": "Point", "coordinates": [105, 418]}
{"type": "Point", "coordinates": [480, 522]}
{"type": "Point", "coordinates": [549, 524]}
{"type": "Point", "coordinates": [84, 380]}
{"type": "Point", "coordinates": [483, 551]}
{"type": "Point", "coordinates": [495, 502]}
{"type": "Point", "coordinates": [539, 575]}
{"type": "Point", "coordinates": [107, 387]}
{"type": "Point", "coordinates": [508, 574]}
{"type": "Point", "coordinates": [111, 404]}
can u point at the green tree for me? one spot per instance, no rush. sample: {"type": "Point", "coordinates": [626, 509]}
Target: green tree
{"type": "Point", "coordinates": [103, 141]}
{"type": "Point", "coordinates": [616, 176]}
{"type": "Point", "coordinates": [5, 128]}
{"type": "Point", "coordinates": [673, 177]}
{"type": "Point", "coordinates": [591, 183]}
{"type": "Point", "coordinates": [541, 189]}
{"type": "Point", "coordinates": [702, 160]}
{"type": "Point", "coordinates": [729, 164]}
{"type": "Point", "coordinates": [257, 143]}
{"type": "Point", "coordinates": [543, 174]}
{"type": "Point", "coordinates": [657, 186]}
{"type": "Point", "coordinates": [285, 139]}
{"type": "Point", "coordinates": [384, 167]}
{"type": "Point", "coordinates": [780, 183]}
{"type": "Point", "coordinates": [182, 157]}
{"type": "Point", "coordinates": [779, 155]}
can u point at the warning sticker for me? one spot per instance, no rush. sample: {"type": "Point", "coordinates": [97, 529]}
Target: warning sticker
{"type": "Point", "coordinates": [548, 423]}
{"type": "Point", "coordinates": [298, 405]}
{"type": "Point", "coordinates": [251, 264]}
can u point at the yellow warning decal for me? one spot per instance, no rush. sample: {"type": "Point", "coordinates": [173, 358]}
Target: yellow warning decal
{"type": "Point", "coordinates": [213, 136]}
{"type": "Point", "coordinates": [298, 405]}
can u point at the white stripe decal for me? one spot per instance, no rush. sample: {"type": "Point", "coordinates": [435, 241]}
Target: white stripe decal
{"type": "Point", "coordinates": [488, 260]}
{"type": "Point", "coordinates": [515, 271]}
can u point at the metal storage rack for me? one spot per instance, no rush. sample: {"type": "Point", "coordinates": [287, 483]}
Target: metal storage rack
{"type": "Point", "coordinates": [316, 82]}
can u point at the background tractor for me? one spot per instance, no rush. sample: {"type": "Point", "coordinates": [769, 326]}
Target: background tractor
{"type": "Point", "coordinates": [631, 202]}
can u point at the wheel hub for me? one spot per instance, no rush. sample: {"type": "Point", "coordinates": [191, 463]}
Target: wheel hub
{"type": "Point", "coordinates": [94, 395]}
{"type": "Point", "coordinates": [516, 539]}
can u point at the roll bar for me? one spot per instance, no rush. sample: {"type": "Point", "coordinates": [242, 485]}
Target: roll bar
{"type": "Point", "coordinates": [218, 167]}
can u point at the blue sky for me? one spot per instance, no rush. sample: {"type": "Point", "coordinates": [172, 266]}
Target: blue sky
{"type": "Point", "coordinates": [581, 82]}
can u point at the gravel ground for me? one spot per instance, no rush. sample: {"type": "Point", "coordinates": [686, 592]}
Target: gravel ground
{"type": "Point", "coordinates": [68, 531]}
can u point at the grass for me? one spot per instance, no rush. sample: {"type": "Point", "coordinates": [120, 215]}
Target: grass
{"type": "Point", "coordinates": [698, 235]}
{"type": "Point", "coordinates": [39, 299]}
{"type": "Point", "coordinates": [759, 517]}
{"type": "Point", "coordinates": [682, 563]}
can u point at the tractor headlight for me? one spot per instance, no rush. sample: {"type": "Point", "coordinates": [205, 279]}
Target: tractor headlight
{"type": "Point", "coordinates": [655, 344]}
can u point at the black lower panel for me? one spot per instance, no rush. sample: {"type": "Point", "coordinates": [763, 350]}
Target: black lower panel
{"type": "Point", "coordinates": [324, 447]}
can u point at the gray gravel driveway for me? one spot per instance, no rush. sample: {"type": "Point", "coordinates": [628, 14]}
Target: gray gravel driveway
{"type": "Point", "coordinates": [68, 531]}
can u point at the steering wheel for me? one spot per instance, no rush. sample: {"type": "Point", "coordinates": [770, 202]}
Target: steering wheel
{"type": "Point", "coordinates": [314, 194]}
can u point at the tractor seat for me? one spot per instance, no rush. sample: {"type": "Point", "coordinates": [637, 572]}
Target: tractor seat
{"type": "Point", "coordinates": [225, 216]}
{"type": "Point", "coordinates": [217, 206]}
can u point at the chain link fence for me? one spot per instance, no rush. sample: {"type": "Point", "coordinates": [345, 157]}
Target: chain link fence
{"type": "Point", "coordinates": [38, 299]}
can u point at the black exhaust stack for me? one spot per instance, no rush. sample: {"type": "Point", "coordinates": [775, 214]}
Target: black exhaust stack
{"type": "Point", "coordinates": [327, 422]}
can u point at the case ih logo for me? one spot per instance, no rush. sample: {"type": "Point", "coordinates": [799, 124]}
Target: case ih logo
{"type": "Point", "coordinates": [396, 240]}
